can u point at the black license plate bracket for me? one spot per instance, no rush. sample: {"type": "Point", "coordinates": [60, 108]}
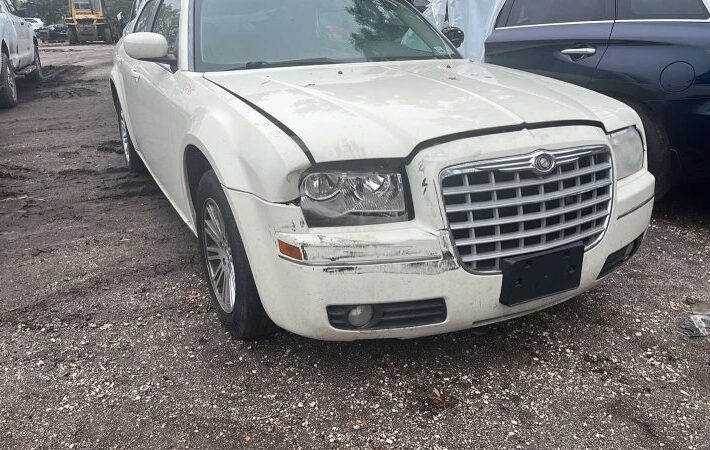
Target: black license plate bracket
{"type": "Point", "coordinates": [531, 277]}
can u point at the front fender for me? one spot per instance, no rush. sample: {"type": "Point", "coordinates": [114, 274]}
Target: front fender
{"type": "Point", "coordinates": [247, 151]}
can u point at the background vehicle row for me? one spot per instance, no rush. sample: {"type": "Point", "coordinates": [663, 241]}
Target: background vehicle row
{"type": "Point", "coordinates": [19, 53]}
{"type": "Point", "coordinates": [650, 54]}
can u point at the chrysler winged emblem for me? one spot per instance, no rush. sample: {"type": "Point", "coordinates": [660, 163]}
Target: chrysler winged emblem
{"type": "Point", "coordinates": [544, 163]}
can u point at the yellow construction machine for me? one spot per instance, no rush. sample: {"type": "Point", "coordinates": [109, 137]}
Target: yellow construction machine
{"type": "Point", "coordinates": [89, 20]}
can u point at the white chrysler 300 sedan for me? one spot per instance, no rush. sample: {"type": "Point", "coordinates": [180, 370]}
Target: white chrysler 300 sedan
{"type": "Point", "coordinates": [350, 176]}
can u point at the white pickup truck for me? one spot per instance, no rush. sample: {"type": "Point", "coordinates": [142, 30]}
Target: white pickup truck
{"type": "Point", "coordinates": [19, 55]}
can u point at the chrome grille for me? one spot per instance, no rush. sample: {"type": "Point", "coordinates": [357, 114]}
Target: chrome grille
{"type": "Point", "coordinates": [505, 207]}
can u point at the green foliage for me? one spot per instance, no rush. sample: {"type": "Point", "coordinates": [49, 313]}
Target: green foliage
{"type": "Point", "coordinates": [50, 11]}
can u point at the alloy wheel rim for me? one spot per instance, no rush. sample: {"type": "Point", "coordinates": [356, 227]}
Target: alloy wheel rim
{"type": "Point", "coordinates": [218, 255]}
{"type": "Point", "coordinates": [125, 139]}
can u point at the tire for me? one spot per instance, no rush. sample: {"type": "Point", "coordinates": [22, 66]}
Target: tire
{"type": "Point", "coordinates": [73, 36]}
{"type": "Point", "coordinates": [36, 75]}
{"type": "Point", "coordinates": [243, 314]}
{"type": "Point", "coordinates": [660, 157]}
{"type": "Point", "coordinates": [8, 86]}
{"type": "Point", "coordinates": [108, 38]}
{"type": "Point", "coordinates": [133, 160]}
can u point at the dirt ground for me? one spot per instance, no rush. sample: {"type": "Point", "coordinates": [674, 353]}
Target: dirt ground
{"type": "Point", "coordinates": [108, 339]}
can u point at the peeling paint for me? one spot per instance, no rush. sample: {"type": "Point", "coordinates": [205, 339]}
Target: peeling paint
{"type": "Point", "coordinates": [445, 264]}
{"type": "Point", "coordinates": [336, 270]}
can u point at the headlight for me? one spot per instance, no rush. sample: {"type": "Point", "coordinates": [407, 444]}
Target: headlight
{"type": "Point", "coordinates": [339, 198]}
{"type": "Point", "coordinates": [628, 151]}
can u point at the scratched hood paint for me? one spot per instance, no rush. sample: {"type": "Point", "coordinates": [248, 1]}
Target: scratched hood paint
{"type": "Point", "coordinates": [383, 110]}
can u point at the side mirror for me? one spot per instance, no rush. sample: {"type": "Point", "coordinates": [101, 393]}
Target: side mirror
{"type": "Point", "coordinates": [455, 35]}
{"type": "Point", "coordinates": [151, 47]}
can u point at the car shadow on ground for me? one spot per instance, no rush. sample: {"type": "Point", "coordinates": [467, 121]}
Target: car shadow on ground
{"type": "Point", "coordinates": [515, 343]}
{"type": "Point", "coordinates": [690, 201]}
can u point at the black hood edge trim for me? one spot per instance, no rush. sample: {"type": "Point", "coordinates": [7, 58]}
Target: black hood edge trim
{"type": "Point", "coordinates": [499, 130]}
{"type": "Point", "coordinates": [280, 125]}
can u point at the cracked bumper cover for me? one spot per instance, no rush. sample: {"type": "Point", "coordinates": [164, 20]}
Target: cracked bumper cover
{"type": "Point", "coordinates": [397, 264]}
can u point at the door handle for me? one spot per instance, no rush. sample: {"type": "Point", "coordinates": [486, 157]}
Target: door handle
{"type": "Point", "coordinates": [583, 51]}
{"type": "Point", "coordinates": [135, 74]}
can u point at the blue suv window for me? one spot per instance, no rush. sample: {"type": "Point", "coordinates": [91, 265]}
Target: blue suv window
{"type": "Point", "coordinates": [662, 9]}
{"type": "Point", "coordinates": [539, 12]}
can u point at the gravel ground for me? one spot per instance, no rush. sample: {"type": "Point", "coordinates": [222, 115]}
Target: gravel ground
{"type": "Point", "coordinates": [108, 339]}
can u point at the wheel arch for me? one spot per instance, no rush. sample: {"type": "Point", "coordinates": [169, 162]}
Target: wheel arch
{"type": "Point", "coordinates": [654, 113]}
{"type": "Point", "coordinates": [114, 93]}
{"type": "Point", "coordinates": [626, 97]}
{"type": "Point", "coordinates": [195, 165]}
{"type": "Point", "coordinates": [118, 101]}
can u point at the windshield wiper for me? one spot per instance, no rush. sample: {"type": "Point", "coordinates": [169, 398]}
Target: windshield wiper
{"type": "Point", "coordinates": [291, 63]}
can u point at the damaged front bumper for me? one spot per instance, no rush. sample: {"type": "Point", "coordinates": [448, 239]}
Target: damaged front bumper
{"type": "Point", "coordinates": [410, 272]}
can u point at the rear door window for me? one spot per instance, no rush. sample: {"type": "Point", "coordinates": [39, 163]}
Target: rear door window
{"type": "Point", "coordinates": [662, 9]}
{"type": "Point", "coordinates": [540, 12]}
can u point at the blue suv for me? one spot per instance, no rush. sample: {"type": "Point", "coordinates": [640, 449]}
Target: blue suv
{"type": "Point", "coordinates": [653, 55]}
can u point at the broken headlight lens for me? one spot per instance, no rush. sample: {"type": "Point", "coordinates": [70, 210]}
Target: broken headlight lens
{"type": "Point", "coordinates": [628, 152]}
{"type": "Point", "coordinates": [337, 198]}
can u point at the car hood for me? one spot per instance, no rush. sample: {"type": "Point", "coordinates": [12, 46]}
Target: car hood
{"type": "Point", "coordinates": [385, 110]}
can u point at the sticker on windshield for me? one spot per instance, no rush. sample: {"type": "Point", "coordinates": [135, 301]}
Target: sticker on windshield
{"type": "Point", "coordinates": [440, 50]}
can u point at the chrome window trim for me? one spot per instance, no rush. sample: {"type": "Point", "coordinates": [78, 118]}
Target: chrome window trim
{"type": "Point", "coordinates": [557, 24]}
{"type": "Point", "coordinates": [664, 20]}
{"type": "Point", "coordinates": [605, 21]}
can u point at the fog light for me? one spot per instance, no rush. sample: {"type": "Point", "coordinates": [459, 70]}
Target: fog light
{"type": "Point", "coordinates": [361, 315]}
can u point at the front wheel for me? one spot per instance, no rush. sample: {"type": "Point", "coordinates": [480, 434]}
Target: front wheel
{"type": "Point", "coordinates": [226, 265]}
{"type": "Point", "coordinates": [73, 36]}
{"type": "Point", "coordinates": [8, 88]}
{"type": "Point", "coordinates": [108, 38]}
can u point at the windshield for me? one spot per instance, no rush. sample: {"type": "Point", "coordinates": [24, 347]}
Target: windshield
{"type": "Point", "coordinates": [89, 5]}
{"type": "Point", "coordinates": [245, 34]}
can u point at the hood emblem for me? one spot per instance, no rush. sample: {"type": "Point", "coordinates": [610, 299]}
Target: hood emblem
{"type": "Point", "coordinates": [544, 163]}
